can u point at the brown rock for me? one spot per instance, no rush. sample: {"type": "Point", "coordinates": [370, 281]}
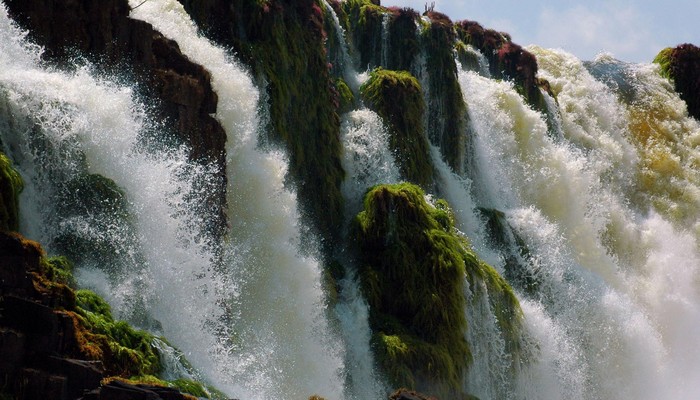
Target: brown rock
{"type": "Point", "coordinates": [103, 32]}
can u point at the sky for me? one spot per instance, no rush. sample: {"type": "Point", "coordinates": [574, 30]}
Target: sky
{"type": "Point", "coordinates": [633, 31]}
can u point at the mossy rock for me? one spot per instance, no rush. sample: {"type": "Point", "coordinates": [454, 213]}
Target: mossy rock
{"type": "Point", "coordinates": [346, 99]}
{"type": "Point", "coordinates": [365, 19]}
{"type": "Point", "coordinates": [397, 97]}
{"type": "Point", "coordinates": [404, 43]}
{"type": "Point", "coordinates": [681, 64]}
{"type": "Point", "coordinates": [664, 59]}
{"type": "Point", "coordinates": [59, 269]}
{"type": "Point", "coordinates": [10, 187]}
{"type": "Point", "coordinates": [413, 265]}
{"type": "Point", "coordinates": [447, 112]}
{"type": "Point", "coordinates": [412, 274]}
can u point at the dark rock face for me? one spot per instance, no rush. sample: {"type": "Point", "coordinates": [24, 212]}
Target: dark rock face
{"type": "Point", "coordinates": [102, 32]}
{"type": "Point", "coordinates": [39, 349]}
{"type": "Point", "coordinates": [447, 114]}
{"type": "Point", "coordinates": [405, 394]}
{"type": "Point", "coordinates": [283, 43]}
{"type": "Point", "coordinates": [118, 390]}
{"type": "Point", "coordinates": [43, 348]}
{"type": "Point", "coordinates": [684, 69]}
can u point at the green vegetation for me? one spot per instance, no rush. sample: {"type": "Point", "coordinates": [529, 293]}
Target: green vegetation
{"type": "Point", "coordinates": [413, 265]}
{"type": "Point", "coordinates": [664, 59]}
{"type": "Point", "coordinates": [365, 28]}
{"type": "Point", "coordinates": [127, 353]}
{"type": "Point", "coordinates": [124, 350]}
{"type": "Point", "coordinates": [412, 272]}
{"type": "Point", "coordinates": [397, 97]}
{"type": "Point", "coordinates": [447, 112]}
{"type": "Point", "coordinates": [10, 186]}
{"type": "Point", "coordinates": [404, 43]}
{"type": "Point", "coordinates": [346, 99]}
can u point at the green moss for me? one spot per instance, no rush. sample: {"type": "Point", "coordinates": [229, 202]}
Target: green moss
{"type": "Point", "coordinates": [446, 114]}
{"type": "Point", "coordinates": [346, 98]}
{"type": "Point", "coordinates": [59, 269]}
{"type": "Point", "coordinates": [664, 59]}
{"type": "Point", "coordinates": [403, 41]}
{"type": "Point", "coordinates": [365, 28]}
{"type": "Point", "coordinates": [468, 59]}
{"type": "Point", "coordinates": [10, 186]}
{"type": "Point", "coordinates": [413, 277]}
{"type": "Point", "coordinates": [413, 269]}
{"type": "Point", "coordinates": [397, 97]}
{"type": "Point", "coordinates": [125, 351]}
{"type": "Point", "coordinates": [88, 300]}
{"type": "Point", "coordinates": [191, 387]}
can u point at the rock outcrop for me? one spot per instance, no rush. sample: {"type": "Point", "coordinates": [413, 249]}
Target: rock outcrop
{"type": "Point", "coordinates": [397, 97]}
{"type": "Point", "coordinates": [39, 346]}
{"type": "Point", "coordinates": [102, 32]}
{"type": "Point", "coordinates": [682, 65]}
{"type": "Point", "coordinates": [50, 346]}
{"type": "Point", "coordinates": [413, 270]}
{"type": "Point", "coordinates": [283, 43]}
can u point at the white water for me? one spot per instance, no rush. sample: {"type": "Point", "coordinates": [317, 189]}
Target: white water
{"type": "Point", "coordinates": [608, 208]}
{"type": "Point", "coordinates": [254, 323]}
{"type": "Point", "coordinates": [616, 314]}
{"type": "Point", "coordinates": [280, 343]}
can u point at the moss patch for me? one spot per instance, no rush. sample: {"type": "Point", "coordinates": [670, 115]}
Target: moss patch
{"type": "Point", "coordinates": [413, 269]}
{"type": "Point", "coordinates": [681, 64]}
{"type": "Point", "coordinates": [365, 19]}
{"type": "Point", "coordinates": [125, 351]}
{"type": "Point", "coordinates": [397, 97]}
{"type": "Point", "coordinates": [446, 117]}
{"type": "Point", "coordinates": [412, 273]}
{"type": "Point", "coordinates": [10, 186]}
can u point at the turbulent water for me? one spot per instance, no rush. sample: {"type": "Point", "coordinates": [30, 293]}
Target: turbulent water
{"type": "Point", "coordinates": [605, 198]}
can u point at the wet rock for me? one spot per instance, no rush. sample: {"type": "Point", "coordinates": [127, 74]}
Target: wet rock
{"type": "Point", "coordinates": [405, 394]}
{"type": "Point", "coordinates": [102, 32]}
{"type": "Point", "coordinates": [682, 65]}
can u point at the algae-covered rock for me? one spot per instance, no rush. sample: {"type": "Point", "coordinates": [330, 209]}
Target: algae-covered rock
{"type": "Point", "coordinates": [10, 187]}
{"type": "Point", "coordinates": [446, 116]}
{"type": "Point", "coordinates": [365, 24]}
{"type": "Point", "coordinates": [397, 97]}
{"type": "Point", "coordinates": [414, 266]}
{"type": "Point", "coordinates": [402, 39]}
{"type": "Point", "coordinates": [283, 43]}
{"type": "Point", "coordinates": [682, 65]}
{"type": "Point", "coordinates": [412, 272]}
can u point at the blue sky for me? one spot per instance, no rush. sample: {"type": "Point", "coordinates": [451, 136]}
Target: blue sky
{"type": "Point", "coordinates": [633, 31]}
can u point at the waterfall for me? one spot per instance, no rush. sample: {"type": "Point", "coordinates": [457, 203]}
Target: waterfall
{"type": "Point", "coordinates": [598, 201]}
{"type": "Point", "coordinates": [599, 253]}
{"type": "Point", "coordinates": [278, 341]}
{"type": "Point", "coordinates": [367, 159]}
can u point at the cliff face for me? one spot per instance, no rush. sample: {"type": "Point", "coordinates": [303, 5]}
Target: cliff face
{"type": "Point", "coordinates": [283, 43]}
{"type": "Point", "coordinates": [102, 32]}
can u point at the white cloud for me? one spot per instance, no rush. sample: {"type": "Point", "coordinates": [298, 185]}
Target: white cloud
{"type": "Point", "coordinates": [623, 31]}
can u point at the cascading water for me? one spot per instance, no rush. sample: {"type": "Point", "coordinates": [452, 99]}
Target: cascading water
{"type": "Point", "coordinates": [600, 211]}
{"type": "Point", "coordinates": [254, 330]}
{"type": "Point", "coordinates": [61, 127]}
{"type": "Point", "coordinates": [571, 199]}
{"type": "Point", "coordinates": [278, 341]}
